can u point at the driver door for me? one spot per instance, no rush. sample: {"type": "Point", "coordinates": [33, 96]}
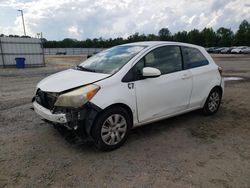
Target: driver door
{"type": "Point", "coordinates": [167, 94]}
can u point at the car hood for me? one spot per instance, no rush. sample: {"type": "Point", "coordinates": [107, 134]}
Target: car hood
{"type": "Point", "coordinates": [69, 79]}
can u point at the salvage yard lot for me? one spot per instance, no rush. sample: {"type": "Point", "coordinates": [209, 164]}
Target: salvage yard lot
{"type": "Point", "coordinates": [190, 150]}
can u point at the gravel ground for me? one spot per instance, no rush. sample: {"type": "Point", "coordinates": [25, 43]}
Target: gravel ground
{"type": "Point", "coordinates": [190, 150]}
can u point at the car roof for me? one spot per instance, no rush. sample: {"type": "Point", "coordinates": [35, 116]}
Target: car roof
{"type": "Point", "coordinates": [156, 43]}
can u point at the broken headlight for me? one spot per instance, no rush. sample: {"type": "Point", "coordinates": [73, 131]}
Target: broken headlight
{"type": "Point", "coordinates": [77, 97]}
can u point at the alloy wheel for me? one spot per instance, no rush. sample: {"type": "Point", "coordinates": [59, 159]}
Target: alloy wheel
{"type": "Point", "coordinates": [214, 101]}
{"type": "Point", "coordinates": [114, 129]}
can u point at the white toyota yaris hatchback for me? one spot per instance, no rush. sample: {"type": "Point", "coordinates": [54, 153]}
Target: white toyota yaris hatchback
{"type": "Point", "coordinates": [128, 86]}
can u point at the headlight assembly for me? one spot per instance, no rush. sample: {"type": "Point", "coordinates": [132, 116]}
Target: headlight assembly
{"type": "Point", "coordinates": [77, 97]}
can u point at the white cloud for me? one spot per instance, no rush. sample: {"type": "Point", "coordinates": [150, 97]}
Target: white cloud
{"type": "Point", "coordinates": [83, 19]}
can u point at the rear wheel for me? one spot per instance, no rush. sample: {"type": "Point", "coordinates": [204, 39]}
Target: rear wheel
{"type": "Point", "coordinates": [111, 128]}
{"type": "Point", "coordinates": [213, 102]}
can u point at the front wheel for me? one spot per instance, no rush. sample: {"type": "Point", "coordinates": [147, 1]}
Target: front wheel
{"type": "Point", "coordinates": [111, 128]}
{"type": "Point", "coordinates": [213, 102]}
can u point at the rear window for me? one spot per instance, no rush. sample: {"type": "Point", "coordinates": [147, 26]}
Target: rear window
{"type": "Point", "coordinates": [193, 58]}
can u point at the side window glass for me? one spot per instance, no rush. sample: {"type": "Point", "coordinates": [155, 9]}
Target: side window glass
{"type": "Point", "coordinates": [134, 73]}
{"type": "Point", "coordinates": [138, 69]}
{"type": "Point", "coordinates": [167, 59]}
{"type": "Point", "coordinates": [193, 58]}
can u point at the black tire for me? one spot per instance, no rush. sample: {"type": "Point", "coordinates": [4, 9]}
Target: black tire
{"type": "Point", "coordinates": [213, 101]}
{"type": "Point", "coordinates": [103, 125]}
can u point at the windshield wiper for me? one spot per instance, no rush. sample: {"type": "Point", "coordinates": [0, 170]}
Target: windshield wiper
{"type": "Point", "coordinates": [78, 67]}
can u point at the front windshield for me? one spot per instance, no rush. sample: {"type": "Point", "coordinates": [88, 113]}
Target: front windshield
{"type": "Point", "coordinates": [111, 60]}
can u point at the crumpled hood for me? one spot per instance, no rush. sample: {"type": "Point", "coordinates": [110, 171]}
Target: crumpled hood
{"type": "Point", "coordinates": [68, 79]}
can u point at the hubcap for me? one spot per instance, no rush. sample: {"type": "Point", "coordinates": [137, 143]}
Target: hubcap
{"type": "Point", "coordinates": [213, 102]}
{"type": "Point", "coordinates": [113, 129]}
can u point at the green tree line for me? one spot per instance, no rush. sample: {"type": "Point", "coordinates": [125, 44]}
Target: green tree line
{"type": "Point", "coordinates": [207, 37]}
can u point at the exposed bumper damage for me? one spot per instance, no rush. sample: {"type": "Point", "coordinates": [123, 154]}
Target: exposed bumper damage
{"type": "Point", "coordinates": [46, 114]}
{"type": "Point", "coordinates": [79, 120]}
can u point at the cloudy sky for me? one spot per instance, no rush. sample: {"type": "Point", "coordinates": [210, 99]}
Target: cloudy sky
{"type": "Point", "coordinates": [81, 19]}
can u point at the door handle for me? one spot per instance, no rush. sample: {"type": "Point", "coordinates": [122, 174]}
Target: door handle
{"type": "Point", "coordinates": [185, 76]}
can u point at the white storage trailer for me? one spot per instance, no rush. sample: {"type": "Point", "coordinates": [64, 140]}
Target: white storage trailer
{"type": "Point", "coordinates": [29, 48]}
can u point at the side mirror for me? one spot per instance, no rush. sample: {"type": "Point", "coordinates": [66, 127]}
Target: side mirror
{"type": "Point", "coordinates": [150, 72]}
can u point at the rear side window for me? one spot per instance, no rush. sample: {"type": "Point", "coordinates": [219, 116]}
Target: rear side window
{"type": "Point", "coordinates": [167, 59]}
{"type": "Point", "coordinates": [193, 58]}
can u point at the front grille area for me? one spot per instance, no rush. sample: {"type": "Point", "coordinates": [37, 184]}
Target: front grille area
{"type": "Point", "coordinates": [47, 100]}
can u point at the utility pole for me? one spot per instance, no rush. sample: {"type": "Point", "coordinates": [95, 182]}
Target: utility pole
{"type": "Point", "coordinates": [23, 22]}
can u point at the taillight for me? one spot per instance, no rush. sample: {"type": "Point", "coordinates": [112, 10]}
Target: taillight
{"type": "Point", "coordinates": [220, 70]}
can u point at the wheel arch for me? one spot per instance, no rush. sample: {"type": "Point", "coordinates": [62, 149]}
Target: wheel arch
{"type": "Point", "coordinates": [205, 107]}
{"type": "Point", "coordinates": [215, 87]}
{"type": "Point", "coordinates": [122, 105]}
{"type": "Point", "coordinates": [219, 88]}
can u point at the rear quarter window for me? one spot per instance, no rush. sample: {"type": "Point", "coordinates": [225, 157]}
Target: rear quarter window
{"type": "Point", "coordinates": [193, 58]}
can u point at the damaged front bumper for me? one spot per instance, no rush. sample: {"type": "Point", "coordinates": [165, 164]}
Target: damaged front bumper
{"type": "Point", "coordinates": [46, 114]}
{"type": "Point", "coordinates": [79, 120]}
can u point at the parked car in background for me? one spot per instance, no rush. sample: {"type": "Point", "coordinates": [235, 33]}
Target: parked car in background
{"type": "Point", "coordinates": [61, 53]}
{"type": "Point", "coordinates": [211, 49]}
{"type": "Point", "coordinates": [246, 50]}
{"type": "Point", "coordinates": [215, 50]}
{"type": "Point", "coordinates": [127, 86]}
{"type": "Point", "coordinates": [218, 50]}
{"type": "Point", "coordinates": [238, 50]}
{"type": "Point", "coordinates": [226, 50]}
{"type": "Point", "coordinates": [90, 55]}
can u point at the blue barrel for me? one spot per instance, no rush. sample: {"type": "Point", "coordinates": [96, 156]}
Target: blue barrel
{"type": "Point", "coordinates": [20, 62]}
